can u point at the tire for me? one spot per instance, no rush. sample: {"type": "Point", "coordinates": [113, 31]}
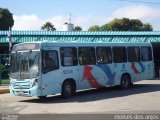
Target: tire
{"type": "Point", "coordinates": [131, 84]}
{"type": "Point", "coordinates": [68, 89]}
{"type": "Point", "coordinates": [42, 97]}
{"type": "Point", "coordinates": [125, 81]}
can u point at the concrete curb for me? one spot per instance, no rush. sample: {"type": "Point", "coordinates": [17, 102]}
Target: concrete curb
{"type": "Point", "coordinates": [4, 90]}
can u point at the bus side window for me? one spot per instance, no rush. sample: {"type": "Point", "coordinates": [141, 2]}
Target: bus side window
{"type": "Point", "coordinates": [133, 54]}
{"type": "Point", "coordinates": [86, 56]}
{"type": "Point", "coordinates": [146, 54]}
{"type": "Point", "coordinates": [119, 54]}
{"type": "Point", "coordinates": [68, 56]}
{"type": "Point", "coordinates": [104, 55]}
{"type": "Point", "coordinates": [49, 61]}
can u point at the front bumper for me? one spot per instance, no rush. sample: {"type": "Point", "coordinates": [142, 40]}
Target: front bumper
{"type": "Point", "coordinates": [24, 92]}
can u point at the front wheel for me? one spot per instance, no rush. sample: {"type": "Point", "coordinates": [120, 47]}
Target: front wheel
{"type": "Point", "coordinates": [125, 81]}
{"type": "Point", "coordinates": [42, 97]}
{"type": "Point", "coordinates": [68, 89]}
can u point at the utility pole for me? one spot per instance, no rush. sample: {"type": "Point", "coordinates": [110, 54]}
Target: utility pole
{"type": "Point", "coordinates": [9, 36]}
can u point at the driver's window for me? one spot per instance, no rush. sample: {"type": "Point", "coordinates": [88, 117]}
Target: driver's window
{"type": "Point", "coordinates": [49, 61]}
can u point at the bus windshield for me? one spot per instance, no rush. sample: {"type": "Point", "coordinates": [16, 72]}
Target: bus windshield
{"type": "Point", "coordinates": [24, 64]}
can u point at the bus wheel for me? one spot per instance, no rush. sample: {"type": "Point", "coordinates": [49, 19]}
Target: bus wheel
{"type": "Point", "coordinates": [131, 84]}
{"type": "Point", "coordinates": [125, 81]}
{"type": "Point", "coordinates": [42, 97]}
{"type": "Point", "coordinates": [68, 89]}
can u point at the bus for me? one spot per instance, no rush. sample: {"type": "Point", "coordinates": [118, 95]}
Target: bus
{"type": "Point", "coordinates": [47, 68]}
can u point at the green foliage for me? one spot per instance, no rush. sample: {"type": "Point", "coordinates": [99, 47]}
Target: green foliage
{"type": "Point", "coordinates": [48, 26]}
{"type": "Point", "coordinates": [94, 28]}
{"type": "Point", "coordinates": [125, 24]}
{"type": "Point", "coordinates": [106, 27]}
{"type": "Point", "coordinates": [147, 27]}
{"type": "Point", "coordinates": [6, 19]}
{"type": "Point", "coordinates": [77, 28]}
{"type": "Point", "coordinates": [2, 67]}
{"type": "Point", "coordinates": [5, 81]}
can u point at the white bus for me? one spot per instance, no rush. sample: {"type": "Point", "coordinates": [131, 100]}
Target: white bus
{"type": "Point", "coordinates": [47, 68]}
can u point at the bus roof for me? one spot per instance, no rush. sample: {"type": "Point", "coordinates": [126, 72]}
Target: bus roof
{"type": "Point", "coordinates": [70, 44]}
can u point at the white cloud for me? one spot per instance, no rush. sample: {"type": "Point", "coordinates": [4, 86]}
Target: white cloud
{"type": "Point", "coordinates": [26, 22]}
{"type": "Point", "coordinates": [137, 12]}
{"type": "Point", "coordinates": [83, 21]}
{"type": "Point", "coordinates": [57, 21]}
{"type": "Point", "coordinates": [144, 13]}
{"type": "Point", "coordinates": [33, 22]}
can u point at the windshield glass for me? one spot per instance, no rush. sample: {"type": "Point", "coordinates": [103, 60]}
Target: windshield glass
{"type": "Point", "coordinates": [24, 64]}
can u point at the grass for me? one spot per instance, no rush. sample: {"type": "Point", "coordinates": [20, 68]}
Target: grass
{"type": "Point", "coordinates": [5, 81]}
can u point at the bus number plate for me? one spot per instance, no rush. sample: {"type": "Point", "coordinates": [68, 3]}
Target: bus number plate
{"type": "Point", "coordinates": [67, 71]}
{"type": "Point", "coordinates": [20, 93]}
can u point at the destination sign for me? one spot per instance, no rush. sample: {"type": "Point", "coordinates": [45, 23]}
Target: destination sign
{"type": "Point", "coordinates": [27, 46]}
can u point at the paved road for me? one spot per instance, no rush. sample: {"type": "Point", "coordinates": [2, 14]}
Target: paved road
{"type": "Point", "coordinates": [144, 97]}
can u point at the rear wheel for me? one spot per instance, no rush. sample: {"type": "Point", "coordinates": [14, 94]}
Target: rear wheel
{"type": "Point", "coordinates": [68, 89]}
{"type": "Point", "coordinates": [125, 81]}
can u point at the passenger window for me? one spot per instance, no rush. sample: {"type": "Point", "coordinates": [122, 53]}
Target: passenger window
{"type": "Point", "coordinates": [86, 56]}
{"type": "Point", "coordinates": [49, 61]}
{"type": "Point", "coordinates": [68, 56]}
{"type": "Point", "coordinates": [133, 54]}
{"type": "Point", "coordinates": [119, 54]}
{"type": "Point", "coordinates": [104, 55]}
{"type": "Point", "coordinates": [146, 54]}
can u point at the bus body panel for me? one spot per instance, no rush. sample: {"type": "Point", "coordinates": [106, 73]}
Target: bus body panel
{"type": "Point", "coordinates": [85, 76]}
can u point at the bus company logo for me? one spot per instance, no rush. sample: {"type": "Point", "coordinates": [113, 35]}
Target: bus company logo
{"type": "Point", "coordinates": [137, 67]}
{"type": "Point", "coordinates": [88, 76]}
{"type": "Point", "coordinates": [20, 86]}
{"type": "Point", "coordinates": [92, 81]}
{"type": "Point", "coordinates": [108, 72]}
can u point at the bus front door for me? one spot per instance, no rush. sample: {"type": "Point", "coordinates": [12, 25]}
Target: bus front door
{"type": "Point", "coordinates": [49, 68]}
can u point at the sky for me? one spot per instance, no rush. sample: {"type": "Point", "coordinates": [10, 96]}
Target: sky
{"type": "Point", "coordinates": [32, 14]}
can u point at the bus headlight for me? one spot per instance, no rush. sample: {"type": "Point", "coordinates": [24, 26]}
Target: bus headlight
{"type": "Point", "coordinates": [35, 82]}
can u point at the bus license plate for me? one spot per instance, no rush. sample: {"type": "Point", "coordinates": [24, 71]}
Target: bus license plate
{"type": "Point", "coordinates": [20, 93]}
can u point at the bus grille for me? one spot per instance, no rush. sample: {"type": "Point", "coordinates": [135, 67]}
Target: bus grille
{"type": "Point", "coordinates": [20, 86]}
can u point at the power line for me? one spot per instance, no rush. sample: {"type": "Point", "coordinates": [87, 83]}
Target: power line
{"type": "Point", "coordinates": [136, 1]}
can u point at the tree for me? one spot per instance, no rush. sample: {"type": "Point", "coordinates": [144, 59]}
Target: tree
{"type": "Point", "coordinates": [147, 27]}
{"type": "Point", "coordinates": [126, 24]}
{"type": "Point", "coordinates": [116, 25]}
{"type": "Point", "coordinates": [6, 19]}
{"type": "Point", "coordinates": [48, 26]}
{"type": "Point", "coordinates": [106, 27]}
{"type": "Point", "coordinates": [94, 28]}
{"type": "Point", "coordinates": [77, 28]}
{"type": "Point", "coordinates": [136, 25]}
